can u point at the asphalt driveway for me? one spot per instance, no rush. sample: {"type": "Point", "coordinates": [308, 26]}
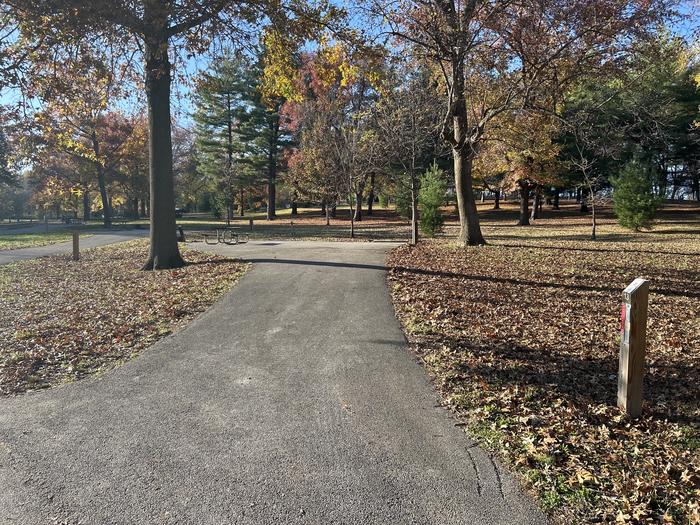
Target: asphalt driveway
{"type": "Point", "coordinates": [292, 400]}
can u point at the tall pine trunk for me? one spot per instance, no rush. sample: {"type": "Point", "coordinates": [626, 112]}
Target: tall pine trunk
{"type": "Point", "coordinates": [164, 252]}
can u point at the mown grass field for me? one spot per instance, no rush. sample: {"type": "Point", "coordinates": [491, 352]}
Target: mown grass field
{"type": "Point", "coordinates": [522, 338]}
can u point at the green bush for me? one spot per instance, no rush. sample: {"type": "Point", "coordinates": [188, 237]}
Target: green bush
{"type": "Point", "coordinates": [634, 202]}
{"type": "Point", "coordinates": [430, 197]}
{"type": "Point", "coordinates": [383, 200]}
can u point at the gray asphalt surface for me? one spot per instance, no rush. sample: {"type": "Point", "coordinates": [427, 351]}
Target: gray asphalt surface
{"type": "Point", "coordinates": [292, 400]}
{"type": "Point", "coordinates": [97, 238]}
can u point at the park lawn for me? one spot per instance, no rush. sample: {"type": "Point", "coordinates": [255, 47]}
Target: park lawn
{"type": "Point", "coordinates": [309, 224]}
{"type": "Point", "coordinates": [521, 338]}
{"type": "Point", "coordinates": [63, 320]}
{"type": "Point", "coordinates": [28, 240]}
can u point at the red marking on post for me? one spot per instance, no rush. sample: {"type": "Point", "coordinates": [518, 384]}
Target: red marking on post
{"type": "Point", "coordinates": [623, 315]}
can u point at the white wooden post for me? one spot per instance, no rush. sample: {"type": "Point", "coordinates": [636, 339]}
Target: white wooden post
{"type": "Point", "coordinates": [633, 342]}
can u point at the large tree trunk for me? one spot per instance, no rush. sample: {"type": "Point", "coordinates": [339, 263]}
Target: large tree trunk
{"type": "Point", "coordinates": [358, 206]}
{"type": "Point", "coordinates": [101, 183]}
{"type": "Point", "coordinates": [106, 208]}
{"type": "Point", "coordinates": [497, 199]}
{"type": "Point", "coordinates": [241, 205]}
{"type": "Point", "coordinates": [470, 230]}
{"type": "Point", "coordinates": [164, 252]}
{"type": "Point", "coordinates": [370, 195]}
{"type": "Point", "coordinates": [86, 205]}
{"type": "Point", "coordinates": [524, 219]}
{"type": "Point", "coordinates": [555, 202]}
{"type": "Point", "coordinates": [584, 201]}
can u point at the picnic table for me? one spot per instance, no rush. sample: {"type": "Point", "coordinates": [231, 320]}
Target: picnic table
{"type": "Point", "coordinates": [225, 235]}
{"type": "Point", "coordinates": [231, 235]}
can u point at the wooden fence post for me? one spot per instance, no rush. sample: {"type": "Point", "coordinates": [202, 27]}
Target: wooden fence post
{"type": "Point", "coordinates": [76, 245]}
{"type": "Point", "coordinates": [633, 342]}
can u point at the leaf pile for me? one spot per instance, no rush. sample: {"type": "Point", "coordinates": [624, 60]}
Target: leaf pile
{"type": "Point", "coordinates": [522, 339]}
{"type": "Point", "coordinates": [62, 320]}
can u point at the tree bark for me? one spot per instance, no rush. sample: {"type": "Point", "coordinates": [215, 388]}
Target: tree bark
{"type": "Point", "coordinates": [555, 201]}
{"type": "Point", "coordinates": [370, 195]}
{"type": "Point", "coordinates": [524, 219]}
{"type": "Point", "coordinates": [86, 205]}
{"type": "Point", "coordinates": [470, 230]}
{"type": "Point", "coordinates": [241, 206]}
{"type": "Point", "coordinates": [497, 199]}
{"type": "Point", "coordinates": [414, 211]}
{"type": "Point", "coordinates": [536, 205]}
{"type": "Point", "coordinates": [358, 206]}
{"type": "Point", "coordinates": [295, 210]}
{"type": "Point", "coordinates": [164, 251]}
{"type": "Point", "coordinates": [584, 203]}
{"type": "Point", "coordinates": [272, 169]}
{"type": "Point", "coordinates": [101, 183]}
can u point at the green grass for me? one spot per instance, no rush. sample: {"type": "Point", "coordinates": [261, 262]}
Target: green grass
{"type": "Point", "coordinates": [29, 240]}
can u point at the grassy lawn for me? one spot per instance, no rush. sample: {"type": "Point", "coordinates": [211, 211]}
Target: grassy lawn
{"type": "Point", "coordinates": [63, 320]}
{"type": "Point", "coordinates": [522, 337]}
{"type": "Point", "coordinates": [27, 240]}
{"type": "Point", "coordinates": [384, 224]}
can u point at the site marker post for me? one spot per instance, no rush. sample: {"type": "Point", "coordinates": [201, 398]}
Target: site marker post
{"type": "Point", "coordinates": [633, 342]}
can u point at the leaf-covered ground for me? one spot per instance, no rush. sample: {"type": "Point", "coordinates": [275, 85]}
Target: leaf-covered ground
{"type": "Point", "coordinates": [62, 320]}
{"type": "Point", "coordinates": [522, 340]}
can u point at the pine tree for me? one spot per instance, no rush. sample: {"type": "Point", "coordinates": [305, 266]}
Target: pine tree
{"type": "Point", "coordinates": [634, 201]}
{"type": "Point", "coordinates": [431, 197]}
{"type": "Point", "coordinates": [219, 106]}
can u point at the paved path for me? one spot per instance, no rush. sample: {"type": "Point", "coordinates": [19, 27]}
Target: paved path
{"type": "Point", "coordinates": [293, 400]}
{"type": "Point", "coordinates": [97, 238]}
